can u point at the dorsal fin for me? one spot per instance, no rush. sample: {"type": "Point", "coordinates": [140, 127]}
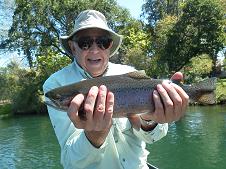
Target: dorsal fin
{"type": "Point", "coordinates": [138, 75]}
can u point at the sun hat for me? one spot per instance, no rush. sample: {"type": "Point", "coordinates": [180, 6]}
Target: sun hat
{"type": "Point", "coordinates": [91, 19]}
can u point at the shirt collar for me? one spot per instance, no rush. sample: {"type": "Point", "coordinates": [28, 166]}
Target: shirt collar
{"type": "Point", "coordinates": [84, 74]}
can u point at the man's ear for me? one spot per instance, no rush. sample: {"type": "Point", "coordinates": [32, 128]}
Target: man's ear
{"type": "Point", "coordinates": [72, 46]}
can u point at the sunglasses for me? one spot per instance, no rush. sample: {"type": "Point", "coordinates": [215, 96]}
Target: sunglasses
{"type": "Point", "coordinates": [86, 42]}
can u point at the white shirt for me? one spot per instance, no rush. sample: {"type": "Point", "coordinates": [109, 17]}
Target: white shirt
{"type": "Point", "coordinates": [124, 147]}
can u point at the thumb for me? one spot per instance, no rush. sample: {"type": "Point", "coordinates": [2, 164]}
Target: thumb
{"type": "Point", "coordinates": [177, 76]}
{"type": "Point", "coordinates": [135, 121]}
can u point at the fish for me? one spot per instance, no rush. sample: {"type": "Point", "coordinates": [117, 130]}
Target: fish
{"type": "Point", "coordinates": [132, 92]}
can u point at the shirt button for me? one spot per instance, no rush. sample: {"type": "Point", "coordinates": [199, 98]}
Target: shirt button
{"type": "Point", "coordinates": [123, 159]}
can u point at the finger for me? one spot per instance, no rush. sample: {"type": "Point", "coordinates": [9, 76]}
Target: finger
{"type": "Point", "coordinates": [100, 104]}
{"type": "Point", "coordinates": [109, 107]}
{"type": "Point", "coordinates": [100, 108]}
{"type": "Point", "coordinates": [176, 100]}
{"type": "Point", "coordinates": [90, 104]}
{"type": "Point", "coordinates": [73, 109]}
{"type": "Point", "coordinates": [183, 95]}
{"type": "Point", "coordinates": [158, 114]}
{"type": "Point", "coordinates": [177, 76]}
{"type": "Point", "coordinates": [167, 103]}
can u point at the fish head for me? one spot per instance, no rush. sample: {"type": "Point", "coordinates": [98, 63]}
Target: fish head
{"type": "Point", "coordinates": [57, 101]}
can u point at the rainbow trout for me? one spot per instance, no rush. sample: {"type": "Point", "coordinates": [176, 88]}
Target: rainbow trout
{"type": "Point", "coordinates": [132, 92]}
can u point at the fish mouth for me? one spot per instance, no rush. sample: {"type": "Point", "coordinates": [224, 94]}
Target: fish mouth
{"type": "Point", "coordinates": [50, 103]}
{"type": "Point", "coordinates": [55, 105]}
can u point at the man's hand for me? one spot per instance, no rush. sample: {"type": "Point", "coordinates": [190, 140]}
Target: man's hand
{"type": "Point", "coordinates": [170, 102]}
{"type": "Point", "coordinates": [98, 106]}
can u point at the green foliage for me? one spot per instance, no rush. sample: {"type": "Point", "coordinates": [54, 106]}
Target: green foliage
{"type": "Point", "coordinates": [224, 63]}
{"type": "Point", "coordinates": [23, 87]}
{"type": "Point", "coordinates": [159, 68]}
{"type": "Point", "coordinates": [198, 30]}
{"type": "Point", "coordinates": [135, 46]}
{"type": "Point", "coordinates": [136, 57]}
{"type": "Point", "coordinates": [5, 110]}
{"type": "Point", "coordinates": [26, 99]}
{"type": "Point", "coordinates": [37, 24]}
{"type": "Point", "coordinates": [198, 68]}
{"type": "Point", "coordinates": [221, 91]}
{"type": "Point", "coordinates": [156, 10]}
{"type": "Point", "coordinates": [8, 80]}
{"type": "Point", "coordinates": [48, 64]}
{"type": "Point", "coordinates": [162, 30]}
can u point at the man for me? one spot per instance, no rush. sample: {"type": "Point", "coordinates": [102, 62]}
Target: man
{"type": "Point", "coordinates": [100, 141]}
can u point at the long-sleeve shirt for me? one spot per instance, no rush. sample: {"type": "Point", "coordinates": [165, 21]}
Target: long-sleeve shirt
{"type": "Point", "coordinates": [124, 147]}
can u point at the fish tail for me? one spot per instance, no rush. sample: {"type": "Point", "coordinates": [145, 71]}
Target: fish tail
{"type": "Point", "coordinates": [206, 93]}
{"type": "Point", "coordinates": [207, 98]}
{"type": "Point", "coordinates": [207, 84]}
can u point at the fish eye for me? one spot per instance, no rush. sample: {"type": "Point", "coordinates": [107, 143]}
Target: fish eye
{"type": "Point", "coordinates": [58, 96]}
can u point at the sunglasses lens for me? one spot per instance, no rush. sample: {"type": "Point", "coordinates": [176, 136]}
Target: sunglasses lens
{"type": "Point", "coordinates": [102, 42]}
{"type": "Point", "coordinates": [85, 43]}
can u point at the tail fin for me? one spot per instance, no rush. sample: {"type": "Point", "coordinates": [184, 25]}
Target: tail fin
{"type": "Point", "coordinates": [206, 88]}
{"type": "Point", "coordinates": [207, 84]}
{"type": "Point", "coordinates": [207, 98]}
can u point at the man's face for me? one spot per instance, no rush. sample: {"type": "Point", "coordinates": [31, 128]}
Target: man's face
{"type": "Point", "coordinates": [92, 57]}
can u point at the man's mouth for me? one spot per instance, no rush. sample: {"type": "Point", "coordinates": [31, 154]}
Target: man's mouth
{"type": "Point", "coordinates": [94, 61]}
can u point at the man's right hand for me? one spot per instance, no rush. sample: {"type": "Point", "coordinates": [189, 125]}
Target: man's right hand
{"type": "Point", "coordinates": [98, 109]}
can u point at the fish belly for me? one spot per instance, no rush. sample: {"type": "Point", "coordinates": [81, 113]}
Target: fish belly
{"type": "Point", "coordinates": [133, 101]}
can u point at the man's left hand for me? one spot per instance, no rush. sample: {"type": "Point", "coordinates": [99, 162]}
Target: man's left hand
{"type": "Point", "coordinates": [170, 102]}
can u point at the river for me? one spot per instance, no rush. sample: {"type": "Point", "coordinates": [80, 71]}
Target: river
{"type": "Point", "coordinates": [198, 141]}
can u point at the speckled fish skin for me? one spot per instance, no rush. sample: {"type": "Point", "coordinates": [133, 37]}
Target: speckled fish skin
{"type": "Point", "coordinates": [132, 92]}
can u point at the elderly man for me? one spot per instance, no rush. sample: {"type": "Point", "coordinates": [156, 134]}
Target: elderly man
{"type": "Point", "coordinates": [101, 142]}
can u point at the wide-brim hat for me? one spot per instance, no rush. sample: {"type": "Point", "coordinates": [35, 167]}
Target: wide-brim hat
{"type": "Point", "coordinates": [91, 19]}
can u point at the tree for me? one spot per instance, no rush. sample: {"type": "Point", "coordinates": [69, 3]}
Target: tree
{"type": "Point", "coordinates": [38, 24]}
{"type": "Point", "coordinates": [198, 68]}
{"type": "Point", "coordinates": [199, 30]}
{"type": "Point", "coordinates": [135, 45]}
{"type": "Point", "coordinates": [155, 10]}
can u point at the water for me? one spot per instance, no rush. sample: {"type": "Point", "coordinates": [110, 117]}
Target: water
{"type": "Point", "coordinates": [28, 142]}
{"type": "Point", "coordinates": [198, 141]}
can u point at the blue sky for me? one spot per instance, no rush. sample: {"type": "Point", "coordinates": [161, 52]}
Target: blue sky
{"type": "Point", "coordinates": [134, 6]}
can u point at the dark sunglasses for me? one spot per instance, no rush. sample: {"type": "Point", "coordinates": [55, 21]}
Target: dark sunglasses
{"type": "Point", "coordinates": [86, 42]}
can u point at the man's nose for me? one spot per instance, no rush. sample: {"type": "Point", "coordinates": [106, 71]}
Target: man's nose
{"type": "Point", "coordinates": [94, 48]}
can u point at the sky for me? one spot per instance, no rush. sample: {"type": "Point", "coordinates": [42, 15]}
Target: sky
{"type": "Point", "coordinates": [134, 6]}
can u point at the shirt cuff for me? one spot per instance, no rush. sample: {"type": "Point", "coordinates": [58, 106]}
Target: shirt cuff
{"type": "Point", "coordinates": [154, 135]}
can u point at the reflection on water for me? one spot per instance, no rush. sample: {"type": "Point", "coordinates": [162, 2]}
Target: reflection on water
{"type": "Point", "coordinates": [198, 141]}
